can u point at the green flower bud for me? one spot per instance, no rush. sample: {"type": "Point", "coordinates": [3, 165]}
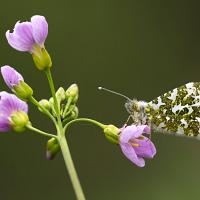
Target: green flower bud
{"type": "Point", "coordinates": [60, 94]}
{"type": "Point", "coordinates": [112, 133]}
{"type": "Point", "coordinates": [53, 148]}
{"type": "Point", "coordinates": [74, 112]}
{"type": "Point", "coordinates": [19, 120]}
{"type": "Point", "coordinates": [72, 92]}
{"type": "Point", "coordinates": [23, 90]}
{"type": "Point", "coordinates": [41, 58]}
{"type": "Point", "coordinates": [45, 103]}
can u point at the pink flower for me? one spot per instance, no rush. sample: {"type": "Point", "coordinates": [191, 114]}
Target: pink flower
{"type": "Point", "coordinates": [28, 36]}
{"type": "Point", "coordinates": [135, 146]}
{"type": "Point", "coordinates": [11, 76]}
{"type": "Point", "coordinates": [10, 105]}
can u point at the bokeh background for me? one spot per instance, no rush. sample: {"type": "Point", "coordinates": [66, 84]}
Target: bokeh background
{"type": "Point", "coordinates": [139, 48]}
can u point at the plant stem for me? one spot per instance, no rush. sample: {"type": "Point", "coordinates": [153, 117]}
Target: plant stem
{"type": "Point", "coordinates": [84, 120]}
{"type": "Point", "coordinates": [64, 146]}
{"type": "Point", "coordinates": [30, 127]}
{"type": "Point", "coordinates": [67, 106]}
{"type": "Point", "coordinates": [51, 84]}
{"type": "Point", "coordinates": [70, 167]}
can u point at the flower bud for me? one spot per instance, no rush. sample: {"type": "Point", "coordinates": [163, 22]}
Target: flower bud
{"type": "Point", "coordinates": [112, 133]}
{"type": "Point", "coordinates": [19, 120]}
{"type": "Point", "coordinates": [41, 58]}
{"type": "Point", "coordinates": [53, 148]}
{"type": "Point", "coordinates": [23, 90]}
{"type": "Point", "coordinates": [74, 112]}
{"type": "Point", "coordinates": [45, 103]}
{"type": "Point", "coordinates": [60, 94]}
{"type": "Point", "coordinates": [72, 92]}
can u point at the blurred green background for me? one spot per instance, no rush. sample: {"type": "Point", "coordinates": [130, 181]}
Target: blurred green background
{"type": "Point", "coordinates": [139, 48]}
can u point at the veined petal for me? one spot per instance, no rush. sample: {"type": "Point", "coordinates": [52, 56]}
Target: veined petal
{"type": "Point", "coordinates": [146, 148]}
{"type": "Point", "coordinates": [130, 153]}
{"type": "Point", "coordinates": [21, 38]}
{"type": "Point", "coordinates": [15, 43]}
{"type": "Point", "coordinates": [11, 76]}
{"type": "Point", "coordinates": [10, 103]}
{"type": "Point", "coordinates": [24, 32]}
{"type": "Point", "coordinates": [40, 29]}
{"type": "Point", "coordinates": [131, 132]}
{"type": "Point", "coordinates": [4, 124]}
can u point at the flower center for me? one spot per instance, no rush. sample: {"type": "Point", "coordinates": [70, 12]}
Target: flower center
{"type": "Point", "coordinates": [134, 143]}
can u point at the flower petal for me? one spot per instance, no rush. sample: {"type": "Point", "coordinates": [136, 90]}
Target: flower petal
{"type": "Point", "coordinates": [146, 148]}
{"type": "Point", "coordinates": [4, 124]}
{"type": "Point", "coordinates": [13, 42]}
{"type": "Point", "coordinates": [11, 76]}
{"type": "Point", "coordinates": [10, 103]}
{"type": "Point", "coordinates": [40, 29]}
{"type": "Point", "coordinates": [130, 153]}
{"type": "Point", "coordinates": [21, 39]}
{"type": "Point", "coordinates": [132, 132]}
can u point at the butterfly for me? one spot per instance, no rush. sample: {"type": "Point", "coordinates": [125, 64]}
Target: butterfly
{"type": "Point", "coordinates": [176, 111]}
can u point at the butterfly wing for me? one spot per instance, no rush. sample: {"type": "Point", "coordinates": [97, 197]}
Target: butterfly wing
{"type": "Point", "coordinates": [177, 111]}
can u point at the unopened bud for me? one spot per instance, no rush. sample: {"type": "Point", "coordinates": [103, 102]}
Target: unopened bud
{"type": "Point", "coordinates": [19, 120]}
{"type": "Point", "coordinates": [72, 92]}
{"type": "Point", "coordinates": [23, 90]}
{"type": "Point", "coordinates": [60, 94]}
{"type": "Point", "coordinates": [45, 103]}
{"type": "Point", "coordinates": [41, 58]}
{"type": "Point", "coordinates": [53, 148]}
{"type": "Point", "coordinates": [74, 113]}
{"type": "Point", "coordinates": [112, 133]}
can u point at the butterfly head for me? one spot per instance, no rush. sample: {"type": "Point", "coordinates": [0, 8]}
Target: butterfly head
{"type": "Point", "coordinates": [136, 109]}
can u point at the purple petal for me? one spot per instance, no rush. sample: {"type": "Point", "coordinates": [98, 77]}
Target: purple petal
{"type": "Point", "coordinates": [40, 29]}
{"type": "Point", "coordinates": [146, 148]}
{"type": "Point", "coordinates": [130, 153]}
{"type": "Point", "coordinates": [21, 39]}
{"type": "Point", "coordinates": [4, 124]}
{"type": "Point", "coordinates": [132, 132]}
{"type": "Point", "coordinates": [11, 76]}
{"type": "Point", "coordinates": [10, 103]}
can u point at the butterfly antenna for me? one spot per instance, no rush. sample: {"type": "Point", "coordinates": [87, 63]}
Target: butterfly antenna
{"type": "Point", "coordinates": [111, 91]}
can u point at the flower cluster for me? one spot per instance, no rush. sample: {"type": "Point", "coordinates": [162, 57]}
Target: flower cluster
{"type": "Point", "coordinates": [61, 108]}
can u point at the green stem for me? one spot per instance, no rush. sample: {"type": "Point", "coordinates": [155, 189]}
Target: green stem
{"type": "Point", "coordinates": [35, 102]}
{"type": "Point", "coordinates": [67, 106]}
{"type": "Point", "coordinates": [51, 84]}
{"type": "Point", "coordinates": [84, 120]}
{"type": "Point", "coordinates": [53, 92]}
{"type": "Point", "coordinates": [71, 168]}
{"type": "Point", "coordinates": [63, 144]}
{"type": "Point", "coordinates": [30, 127]}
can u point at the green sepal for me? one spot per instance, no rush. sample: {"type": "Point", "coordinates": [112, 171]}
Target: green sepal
{"type": "Point", "coordinates": [72, 93]}
{"type": "Point", "coordinates": [60, 94]}
{"type": "Point", "coordinates": [53, 148]}
{"type": "Point", "coordinates": [19, 120]}
{"type": "Point", "coordinates": [23, 90]}
{"type": "Point", "coordinates": [45, 103]}
{"type": "Point", "coordinates": [112, 133]}
{"type": "Point", "coordinates": [42, 58]}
